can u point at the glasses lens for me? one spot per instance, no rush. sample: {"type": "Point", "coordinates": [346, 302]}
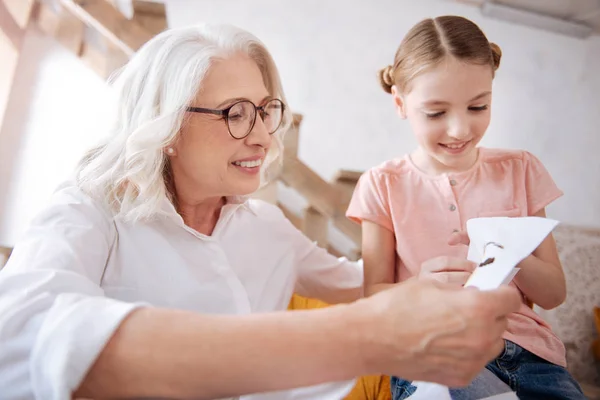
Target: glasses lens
{"type": "Point", "coordinates": [273, 115]}
{"type": "Point", "coordinates": [240, 119]}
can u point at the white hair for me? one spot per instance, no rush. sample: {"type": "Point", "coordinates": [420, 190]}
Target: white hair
{"type": "Point", "coordinates": [128, 170]}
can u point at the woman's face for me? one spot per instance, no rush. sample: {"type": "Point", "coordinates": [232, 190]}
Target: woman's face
{"type": "Point", "coordinates": [207, 161]}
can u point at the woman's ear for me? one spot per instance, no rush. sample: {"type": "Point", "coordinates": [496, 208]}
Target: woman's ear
{"type": "Point", "coordinates": [399, 102]}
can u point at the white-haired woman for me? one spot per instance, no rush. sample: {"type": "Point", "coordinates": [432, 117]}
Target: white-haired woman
{"type": "Point", "coordinates": [152, 275]}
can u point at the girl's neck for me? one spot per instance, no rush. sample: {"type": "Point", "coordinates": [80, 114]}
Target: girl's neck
{"type": "Point", "coordinates": [431, 165]}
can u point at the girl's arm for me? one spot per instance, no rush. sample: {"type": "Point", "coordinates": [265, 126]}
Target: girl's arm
{"type": "Point", "coordinates": [541, 278]}
{"type": "Point", "coordinates": [379, 257]}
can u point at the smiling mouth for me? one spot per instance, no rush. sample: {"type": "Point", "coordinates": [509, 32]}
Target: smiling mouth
{"type": "Point", "coordinates": [455, 146]}
{"type": "Point", "coordinates": [248, 164]}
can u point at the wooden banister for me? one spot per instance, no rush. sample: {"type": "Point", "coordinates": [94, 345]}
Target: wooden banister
{"type": "Point", "coordinates": [327, 201]}
{"type": "Point", "coordinates": [97, 32]}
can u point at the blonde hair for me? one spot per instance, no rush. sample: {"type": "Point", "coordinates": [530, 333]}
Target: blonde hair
{"type": "Point", "coordinates": [432, 40]}
{"type": "Point", "coordinates": [129, 171]}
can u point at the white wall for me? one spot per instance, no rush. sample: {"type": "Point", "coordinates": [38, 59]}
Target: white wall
{"type": "Point", "coordinates": [545, 95]}
{"type": "Point", "coordinates": [54, 114]}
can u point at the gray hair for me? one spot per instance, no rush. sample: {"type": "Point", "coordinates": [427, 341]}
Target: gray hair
{"type": "Point", "coordinates": [127, 171]}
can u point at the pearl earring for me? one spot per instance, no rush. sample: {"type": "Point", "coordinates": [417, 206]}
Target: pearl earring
{"type": "Point", "coordinates": [170, 151]}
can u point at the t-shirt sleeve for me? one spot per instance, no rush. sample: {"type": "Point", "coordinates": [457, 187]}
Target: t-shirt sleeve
{"type": "Point", "coordinates": [541, 188]}
{"type": "Point", "coordinates": [370, 200]}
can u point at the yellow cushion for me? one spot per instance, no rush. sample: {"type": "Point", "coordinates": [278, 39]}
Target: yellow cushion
{"type": "Point", "coordinates": [375, 387]}
{"type": "Point", "coordinates": [596, 343]}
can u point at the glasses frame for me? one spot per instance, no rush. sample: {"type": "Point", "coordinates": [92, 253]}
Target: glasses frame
{"type": "Point", "coordinates": [225, 114]}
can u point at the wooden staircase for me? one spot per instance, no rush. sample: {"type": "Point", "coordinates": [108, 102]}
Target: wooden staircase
{"type": "Point", "coordinates": [327, 201]}
{"type": "Point", "coordinates": [94, 30]}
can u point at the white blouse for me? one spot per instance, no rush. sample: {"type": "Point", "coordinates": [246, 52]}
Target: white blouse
{"type": "Point", "coordinates": [78, 272]}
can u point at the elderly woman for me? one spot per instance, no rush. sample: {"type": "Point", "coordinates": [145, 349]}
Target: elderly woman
{"type": "Point", "coordinates": [154, 275]}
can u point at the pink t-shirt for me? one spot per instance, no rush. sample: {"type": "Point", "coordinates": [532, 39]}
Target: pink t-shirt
{"type": "Point", "coordinates": [422, 211]}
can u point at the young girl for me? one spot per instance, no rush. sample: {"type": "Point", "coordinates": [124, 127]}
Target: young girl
{"type": "Point", "coordinates": [409, 207]}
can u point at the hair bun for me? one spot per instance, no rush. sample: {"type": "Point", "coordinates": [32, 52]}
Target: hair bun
{"type": "Point", "coordinates": [386, 78]}
{"type": "Point", "coordinates": [496, 55]}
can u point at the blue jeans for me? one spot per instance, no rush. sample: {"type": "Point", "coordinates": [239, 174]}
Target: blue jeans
{"type": "Point", "coordinates": [516, 369]}
{"type": "Point", "coordinates": [486, 384]}
{"type": "Point", "coordinates": [532, 377]}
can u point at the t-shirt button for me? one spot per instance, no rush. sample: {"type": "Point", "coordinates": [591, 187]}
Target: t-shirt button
{"type": "Point", "coordinates": [452, 207]}
{"type": "Point", "coordinates": [452, 182]}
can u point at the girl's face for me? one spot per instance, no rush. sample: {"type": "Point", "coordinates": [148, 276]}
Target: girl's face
{"type": "Point", "coordinates": [448, 108]}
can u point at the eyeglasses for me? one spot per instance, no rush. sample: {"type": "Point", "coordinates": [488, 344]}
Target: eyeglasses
{"type": "Point", "coordinates": [241, 116]}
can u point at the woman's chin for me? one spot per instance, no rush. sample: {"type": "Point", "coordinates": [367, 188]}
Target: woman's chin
{"type": "Point", "coordinates": [247, 187]}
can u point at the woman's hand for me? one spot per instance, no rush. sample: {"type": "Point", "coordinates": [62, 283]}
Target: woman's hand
{"type": "Point", "coordinates": [425, 330]}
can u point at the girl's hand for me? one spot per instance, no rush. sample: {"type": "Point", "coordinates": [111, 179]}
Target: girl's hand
{"type": "Point", "coordinates": [459, 238]}
{"type": "Point", "coordinates": [452, 270]}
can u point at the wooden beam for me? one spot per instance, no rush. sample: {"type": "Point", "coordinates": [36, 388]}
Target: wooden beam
{"type": "Point", "coordinates": [268, 193]}
{"type": "Point", "coordinates": [348, 228]}
{"type": "Point", "coordinates": [347, 175]}
{"type": "Point", "coordinates": [125, 34]}
{"type": "Point", "coordinates": [21, 10]}
{"type": "Point", "coordinates": [70, 32]}
{"type": "Point", "coordinates": [10, 28]}
{"type": "Point", "coordinates": [290, 138]}
{"type": "Point", "coordinates": [4, 255]}
{"type": "Point", "coordinates": [345, 182]}
{"type": "Point", "coordinates": [318, 192]}
{"type": "Point", "coordinates": [103, 57]}
{"type": "Point", "coordinates": [9, 58]}
{"type": "Point", "coordinates": [293, 217]}
{"type": "Point", "coordinates": [150, 15]}
{"type": "Point", "coordinates": [316, 226]}
{"type": "Point", "coordinates": [62, 25]}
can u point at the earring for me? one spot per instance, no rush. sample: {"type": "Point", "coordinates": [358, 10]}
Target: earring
{"type": "Point", "coordinates": [170, 151]}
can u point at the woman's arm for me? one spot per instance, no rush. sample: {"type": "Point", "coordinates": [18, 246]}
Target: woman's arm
{"type": "Point", "coordinates": [379, 257]}
{"type": "Point", "coordinates": [54, 318]}
{"type": "Point", "coordinates": [419, 330]}
{"type": "Point", "coordinates": [320, 275]}
{"type": "Point", "coordinates": [541, 278]}
{"type": "Point", "coordinates": [161, 353]}
{"type": "Point", "coordinates": [60, 335]}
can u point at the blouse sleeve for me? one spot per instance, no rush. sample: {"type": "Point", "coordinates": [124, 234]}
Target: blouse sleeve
{"type": "Point", "coordinates": [54, 317]}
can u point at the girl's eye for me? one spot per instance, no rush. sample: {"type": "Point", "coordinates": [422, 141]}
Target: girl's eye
{"type": "Point", "coordinates": [478, 108]}
{"type": "Point", "coordinates": [435, 115]}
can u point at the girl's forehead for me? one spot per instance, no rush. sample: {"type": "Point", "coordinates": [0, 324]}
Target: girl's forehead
{"type": "Point", "coordinates": [451, 80]}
